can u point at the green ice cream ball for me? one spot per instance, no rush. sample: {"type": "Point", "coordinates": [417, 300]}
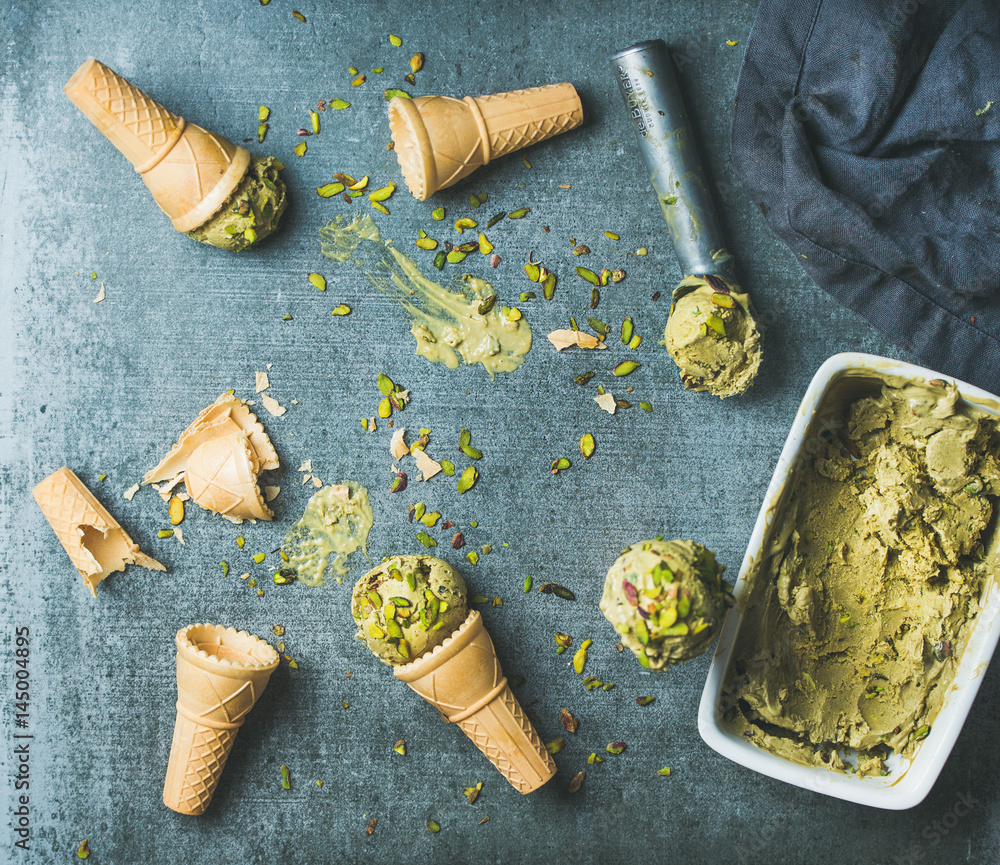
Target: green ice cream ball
{"type": "Point", "coordinates": [251, 213]}
{"type": "Point", "coordinates": [712, 336]}
{"type": "Point", "coordinates": [407, 606]}
{"type": "Point", "coordinates": [666, 600]}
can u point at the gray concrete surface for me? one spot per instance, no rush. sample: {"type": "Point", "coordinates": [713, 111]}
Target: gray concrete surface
{"type": "Point", "coordinates": [105, 388]}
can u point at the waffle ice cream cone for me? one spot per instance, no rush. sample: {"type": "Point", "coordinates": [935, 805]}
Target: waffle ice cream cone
{"type": "Point", "coordinates": [220, 457]}
{"type": "Point", "coordinates": [222, 475]}
{"type": "Point", "coordinates": [221, 673]}
{"type": "Point", "coordinates": [463, 680]}
{"type": "Point", "coordinates": [96, 544]}
{"type": "Point", "coordinates": [439, 140]}
{"type": "Point", "coordinates": [190, 171]}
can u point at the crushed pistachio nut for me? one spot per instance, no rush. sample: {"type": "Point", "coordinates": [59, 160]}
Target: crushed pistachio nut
{"type": "Point", "coordinates": [472, 793]}
{"type": "Point", "coordinates": [468, 479]}
{"type": "Point", "coordinates": [557, 590]}
{"type": "Point", "coordinates": [175, 510]}
{"type": "Point", "coordinates": [626, 367]}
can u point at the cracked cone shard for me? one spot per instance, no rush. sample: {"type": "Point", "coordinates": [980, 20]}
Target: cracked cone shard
{"type": "Point", "coordinates": [221, 673]}
{"type": "Point", "coordinates": [221, 476]}
{"type": "Point", "coordinates": [190, 171]}
{"type": "Point", "coordinates": [439, 140]}
{"type": "Point", "coordinates": [463, 680]}
{"type": "Point", "coordinates": [92, 538]}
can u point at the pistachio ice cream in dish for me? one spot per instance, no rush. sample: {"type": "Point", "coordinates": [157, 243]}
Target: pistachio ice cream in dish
{"type": "Point", "coordinates": [666, 600]}
{"type": "Point", "coordinates": [712, 335]}
{"type": "Point", "coordinates": [408, 605]}
{"type": "Point", "coordinates": [859, 608]}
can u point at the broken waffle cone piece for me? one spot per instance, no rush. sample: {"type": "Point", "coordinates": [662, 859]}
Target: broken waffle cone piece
{"type": "Point", "coordinates": [221, 673]}
{"type": "Point", "coordinates": [96, 544]}
{"type": "Point", "coordinates": [463, 680]}
{"type": "Point", "coordinates": [190, 171]}
{"type": "Point", "coordinates": [221, 476]}
{"type": "Point", "coordinates": [439, 140]}
{"type": "Point", "coordinates": [220, 457]}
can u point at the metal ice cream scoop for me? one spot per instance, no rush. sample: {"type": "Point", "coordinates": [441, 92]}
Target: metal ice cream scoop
{"type": "Point", "coordinates": [712, 334]}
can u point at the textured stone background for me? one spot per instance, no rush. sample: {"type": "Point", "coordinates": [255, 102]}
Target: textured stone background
{"type": "Point", "coordinates": [106, 388]}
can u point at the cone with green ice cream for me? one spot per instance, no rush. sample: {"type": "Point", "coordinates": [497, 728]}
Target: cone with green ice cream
{"type": "Point", "coordinates": [210, 188]}
{"type": "Point", "coordinates": [444, 653]}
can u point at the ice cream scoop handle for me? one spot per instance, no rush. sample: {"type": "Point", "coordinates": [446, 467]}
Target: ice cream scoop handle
{"type": "Point", "coordinates": [648, 82]}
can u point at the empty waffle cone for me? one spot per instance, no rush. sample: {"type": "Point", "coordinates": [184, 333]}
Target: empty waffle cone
{"type": "Point", "coordinates": [190, 171]}
{"type": "Point", "coordinates": [463, 680]}
{"type": "Point", "coordinates": [92, 538]}
{"type": "Point", "coordinates": [221, 673]}
{"type": "Point", "coordinates": [439, 140]}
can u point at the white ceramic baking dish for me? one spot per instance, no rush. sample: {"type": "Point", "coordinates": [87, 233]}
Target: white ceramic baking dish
{"type": "Point", "coordinates": [839, 380]}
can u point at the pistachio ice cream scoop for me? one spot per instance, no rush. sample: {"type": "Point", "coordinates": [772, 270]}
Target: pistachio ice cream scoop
{"type": "Point", "coordinates": [666, 600]}
{"type": "Point", "coordinates": [252, 212]}
{"type": "Point", "coordinates": [407, 606]}
{"type": "Point", "coordinates": [711, 334]}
